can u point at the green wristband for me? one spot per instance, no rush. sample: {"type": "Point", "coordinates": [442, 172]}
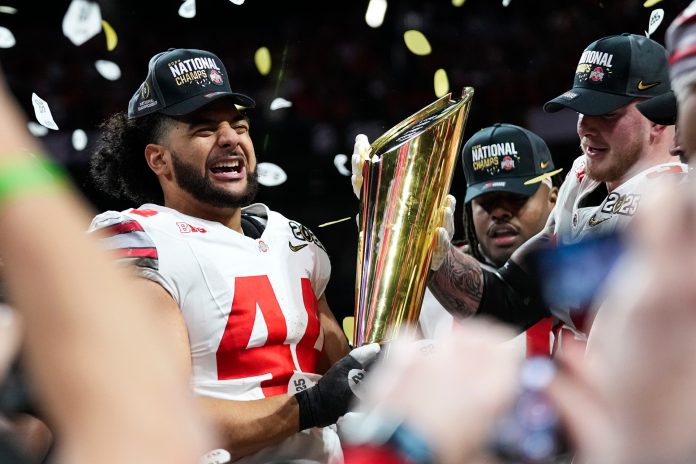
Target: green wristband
{"type": "Point", "coordinates": [29, 176]}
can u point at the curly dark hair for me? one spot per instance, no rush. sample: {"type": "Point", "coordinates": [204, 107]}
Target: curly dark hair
{"type": "Point", "coordinates": [118, 166]}
{"type": "Point", "coordinates": [470, 231]}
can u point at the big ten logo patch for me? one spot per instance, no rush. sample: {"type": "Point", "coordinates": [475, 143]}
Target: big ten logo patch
{"type": "Point", "coordinates": [300, 232]}
{"type": "Point", "coordinates": [185, 228]}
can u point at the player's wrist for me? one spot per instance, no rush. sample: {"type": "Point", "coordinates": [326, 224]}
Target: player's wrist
{"type": "Point", "coordinates": [305, 400]}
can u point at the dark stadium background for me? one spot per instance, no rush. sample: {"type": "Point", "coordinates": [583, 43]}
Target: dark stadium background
{"type": "Point", "coordinates": [342, 77]}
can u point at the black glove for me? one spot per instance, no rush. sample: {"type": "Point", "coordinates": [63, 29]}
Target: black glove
{"type": "Point", "coordinates": [330, 398]}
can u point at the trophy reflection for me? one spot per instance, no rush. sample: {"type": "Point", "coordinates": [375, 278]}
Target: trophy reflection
{"type": "Point", "coordinates": [405, 183]}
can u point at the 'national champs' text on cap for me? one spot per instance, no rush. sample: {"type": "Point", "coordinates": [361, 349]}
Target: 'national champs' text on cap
{"type": "Point", "coordinates": [180, 81]}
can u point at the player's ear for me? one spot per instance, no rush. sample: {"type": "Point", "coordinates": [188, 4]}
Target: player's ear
{"type": "Point", "coordinates": [156, 158]}
{"type": "Point", "coordinates": [553, 195]}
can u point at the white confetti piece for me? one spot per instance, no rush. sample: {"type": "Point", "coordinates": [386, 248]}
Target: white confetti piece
{"type": "Point", "coordinates": [82, 21]}
{"type": "Point", "coordinates": [8, 10]}
{"type": "Point", "coordinates": [237, 2]}
{"type": "Point", "coordinates": [79, 139]}
{"type": "Point", "coordinates": [188, 9]}
{"type": "Point", "coordinates": [506, 3]}
{"type": "Point", "coordinates": [36, 129]}
{"type": "Point", "coordinates": [271, 174]}
{"type": "Point", "coordinates": [43, 112]}
{"type": "Point", "coordinates": [340, 163]}
{"type": "Point", "coordinates": [374, 16]}
{"type": "Point", "coordinates": [218, 456]}
{"type": "Point", "coordinates": [337, 221]}
{"type": "Point", "coordinates": [108, 69]}
{"type": "Point", "coordinates": [7, 38]}
{"type": "Point", "coordinates": [656, 18]}
{"type": "Point", "coordinates": [279, 103]}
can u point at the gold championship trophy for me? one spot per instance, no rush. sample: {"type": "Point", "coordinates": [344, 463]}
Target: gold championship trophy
{"type": "Point", "coordinates": [405, 183]}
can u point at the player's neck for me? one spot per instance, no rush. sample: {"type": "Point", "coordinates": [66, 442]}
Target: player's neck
{"type": "Point", "coordinates": [656, 158]}
{"type": "Point", "coordinates": [230, 217]}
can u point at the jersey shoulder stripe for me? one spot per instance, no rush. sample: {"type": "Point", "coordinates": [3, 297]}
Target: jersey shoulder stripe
{"type": "Point", "coordinates": [129, 240]}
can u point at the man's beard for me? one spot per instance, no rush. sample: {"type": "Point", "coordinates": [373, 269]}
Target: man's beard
{"type": "Point", "coordinates": [191, 181]}
{"type": "Point", "coordinates": [616, 169]}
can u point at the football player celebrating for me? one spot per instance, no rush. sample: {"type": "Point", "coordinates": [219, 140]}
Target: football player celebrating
{"type": "Point", "coordinates": [241, 285]}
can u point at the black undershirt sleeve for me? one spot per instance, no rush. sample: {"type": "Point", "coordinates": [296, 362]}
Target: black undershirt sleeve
{"type": "Point", "coordinates": [511, 295]}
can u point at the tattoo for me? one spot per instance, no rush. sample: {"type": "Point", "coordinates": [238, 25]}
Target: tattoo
{"type": "Point", "coordinates": [458, 283]}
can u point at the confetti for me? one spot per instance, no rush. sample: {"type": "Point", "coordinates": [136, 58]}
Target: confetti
{"type": "Point", "coordinates": [7, 38]}
{"type": "Point", "coordinates": [8, 9]}
{"type": "Point", "coordinates": [656, 18]}
{"type": "Point", "coordinates": [651, 3]}
{"type": "Point", "coordinates": [43, 112]}
{"type": "Point", "coordinates": [218, 456]}
{"type": "Point", "coordinates": [271, 174]}
{"type": "Point", "coordinates": [340, 163]}
{"type": "Point", "coordinates": [441, 82]}
{"type": "Point", "coordinates": [417, 43]}
{"type": "Point", "coordinates": [457, 2]}
{"type": "Point", "coordinates": [506, 3]}
{"type": "Point", "coordinates": [108, 69]}
{"type": "Point", "coordinates": [36, 129]}
{"type": "Point", "coordinates": [337, 221]}
{"type": "Point", "coordinates": [374, 16]}
{"type": "Point", "coordinates": [349, 327]}
{"type": "Point", "coordinates": [82, 21]}
{"type": "Point", "coordinates": [79, 139]}
{"type": "Point", "coordinates": [111, 37]}
{"type": "Point", "coordinates": [188, 9]}
{"type": "Point", "coordinates": [279, 103]}
{"type": "Point", "coordinates": [237, 2]}
{"type": "Point", "coordinates": [262, 58]}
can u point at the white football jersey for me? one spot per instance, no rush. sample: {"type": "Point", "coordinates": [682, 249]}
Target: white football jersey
{"type": "Point", "coordinates": [574, 222]}
{"type": "Point", "coordinates": [250, 305]}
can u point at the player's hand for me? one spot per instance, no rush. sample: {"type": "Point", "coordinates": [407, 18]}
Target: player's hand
{"type": "Point", "coordinates": [443, 234]}
{"type": "Point", "coordinates": [361, 152]}
{"type": "Point", "coordinates": [333, 394]}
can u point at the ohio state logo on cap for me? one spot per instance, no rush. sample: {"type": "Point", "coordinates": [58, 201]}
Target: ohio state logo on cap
{"type": "Point", "coordinates": [215, 77]}
{"type": "Point", "coordinates": [597, 74]}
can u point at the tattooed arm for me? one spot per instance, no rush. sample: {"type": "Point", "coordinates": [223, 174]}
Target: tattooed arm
{"type": "Point", "coordinates": [458, 283]}
{"type": "Point", "coordinates": [466, 287]}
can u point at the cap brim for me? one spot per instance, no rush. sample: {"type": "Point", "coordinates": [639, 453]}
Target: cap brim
{"type": "Point", "coordinates": [661, 109]}
{"type": "Point", "coordinates": [198, 101]}
{"type": "Point", "coordinates": [588, 101]}
{"type": "Point", "coordinates": [508, 184]}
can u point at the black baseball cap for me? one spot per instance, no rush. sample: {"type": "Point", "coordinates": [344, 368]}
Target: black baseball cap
{"type": "Point", "coordinates": [180, 81]}
{"type": "Point", "coordinates": [661, 109]}
{"type": "Point", "coordinates": [505, 158]}
{"type": "Point", "coordinates": [612, 72]}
